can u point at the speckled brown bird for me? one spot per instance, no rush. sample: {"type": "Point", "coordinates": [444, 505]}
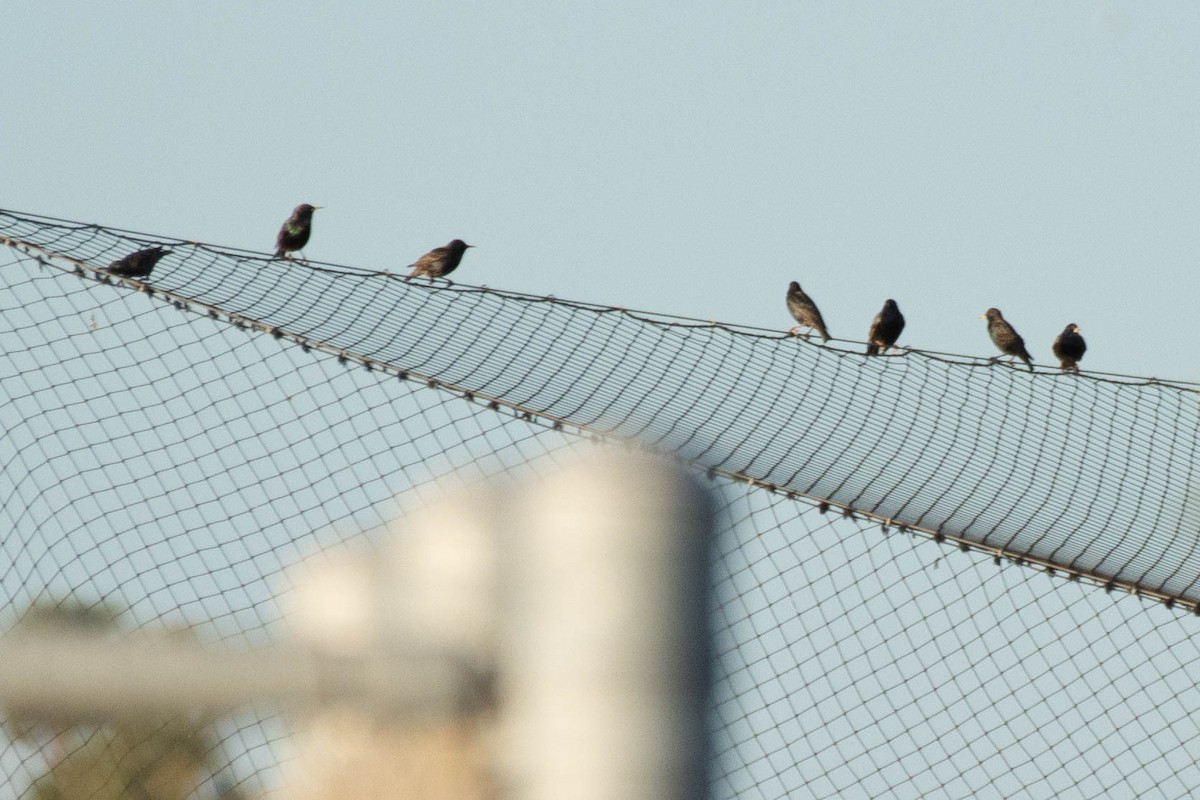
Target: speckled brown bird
{"type": "Point", "coordinates": [1005, 337]}
{"type": "Point", "coordinates": [1069, 348]}
{"type": "Point", "coordinates": [295, 231]}
{"type": "Point", "coordinates": [805, 311]}
{"type": "Point", "coordinates": [440, 261]}
{"type": "Point", "coordinates": [139, 264]}
{"type": "Point", "coordinates": [885, 328]}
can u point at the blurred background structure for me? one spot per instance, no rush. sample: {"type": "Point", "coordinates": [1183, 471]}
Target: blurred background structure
{"type": "Point", "coordinates": [932, 575]}
{"type": "Point", "coordinates": [547, 643]}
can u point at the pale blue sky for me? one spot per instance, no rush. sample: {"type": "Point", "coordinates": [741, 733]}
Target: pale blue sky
{"type": "Point", "coordinates": [1040, 157]}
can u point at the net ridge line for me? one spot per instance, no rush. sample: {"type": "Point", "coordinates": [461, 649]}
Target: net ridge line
{"type": "Point", "coordinates": [88, 248]}
{"type": "Point", "coordinates": [657, 317]}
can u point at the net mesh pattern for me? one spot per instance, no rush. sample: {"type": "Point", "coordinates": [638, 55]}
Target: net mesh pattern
{"type": "Point", "coordinates": [172, 451]}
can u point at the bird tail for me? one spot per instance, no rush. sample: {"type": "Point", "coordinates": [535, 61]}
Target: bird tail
{"type": "Point", "coordinates": [824, 334]}
{"type": "Point", "coordinates": [872, 349]}
{"type": "Point", "coordinates": [1028, 360]}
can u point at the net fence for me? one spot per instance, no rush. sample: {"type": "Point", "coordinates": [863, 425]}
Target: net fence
{"type": "Point", "coordinates": [925, 560]}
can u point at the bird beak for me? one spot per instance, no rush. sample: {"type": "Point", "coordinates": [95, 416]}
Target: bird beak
{"type": "Point", "coordinates": [317, 208]}
{"type": "Point", "coordinates": [983, 316]}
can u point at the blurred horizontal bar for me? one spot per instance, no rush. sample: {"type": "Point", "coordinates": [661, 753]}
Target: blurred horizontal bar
{"type": "Point", "coordinates": [78, 677]}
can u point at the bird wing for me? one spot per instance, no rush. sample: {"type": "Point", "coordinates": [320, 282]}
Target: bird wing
{"type": "Point", "coordinates": [432, 257]}
{"type": "Point", "coordinates": [876, 324]}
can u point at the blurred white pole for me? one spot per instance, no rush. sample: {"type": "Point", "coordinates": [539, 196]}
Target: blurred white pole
{"type": "Point", "coordinates": [604, 661]}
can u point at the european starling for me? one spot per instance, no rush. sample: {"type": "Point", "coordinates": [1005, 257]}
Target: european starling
{"type": "Point", "coordinates": [1069, 348]}
{"type": "Point", "coordinates": [1004, 337]}
{"type": "Point", "coordinates": [805, 311]}
{"type": "Point", "coordinates": [139, 264]}
{"type": "Point", "coordinates": [885, 328]}
{"type": "Point", "coordinates": [295, 231]}
{"type": "Point", "coordinates": [440, 261]}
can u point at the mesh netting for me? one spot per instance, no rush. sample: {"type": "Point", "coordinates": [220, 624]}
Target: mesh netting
{"type": "Point", "coordinates": [161, 459]}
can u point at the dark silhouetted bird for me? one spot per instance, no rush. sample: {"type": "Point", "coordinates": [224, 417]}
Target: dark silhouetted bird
{"type": "Point", "coordinates": [139, 264]}
{"type": "Point", "coordinates": [295, 231]}
{"type": "Point", "coordinates": [805, 311]}
{"type": "Point", "coordinates": [440, 261]}
{"type": "Point", "coordinates": [1005, 337]}
{"type": "Point", "coordinates": [885, 328]}
{"type": "Point", "coordinates": [1069, 348]}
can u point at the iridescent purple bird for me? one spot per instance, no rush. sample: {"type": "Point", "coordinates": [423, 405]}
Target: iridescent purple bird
{"type": "Point", "coordinates": [295, 231]}
{"type": "Point", "coordinates": [139, 264]}
{"type": "Point", "coordinates": [885, 328]}
{"type": "Point", "coordinates": [1069, 348]}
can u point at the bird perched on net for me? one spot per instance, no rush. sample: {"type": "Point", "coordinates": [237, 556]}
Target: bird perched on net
{"type": "Point", "coordinates": [295, 231]}
{"type": "Point", "coordinates": [804, 311]}
{"type": "Point", "coordinates": [885, 328]}
{"type": "Point", "coordinates": [1005, 337]}
{"type": "Point", "coordinates": [440, 261]}
{"type": "Point", "coordinates": [139, 264]}
{"type": "Point", "coordinates": [1069, 348]}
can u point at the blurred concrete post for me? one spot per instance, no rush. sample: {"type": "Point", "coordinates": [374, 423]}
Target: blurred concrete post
{"type": "Point", "coordinates": [605, 655]}
{"type": "Point", "coordinates": [430, 589]}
